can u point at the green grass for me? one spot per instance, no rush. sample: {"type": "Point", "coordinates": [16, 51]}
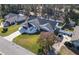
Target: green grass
{"type": "Point", "coordinates": [28, 41]}
{"type": "Point", "coordinates": [1, 20]}
{"type": "Point", "coordinates": [11, 29]}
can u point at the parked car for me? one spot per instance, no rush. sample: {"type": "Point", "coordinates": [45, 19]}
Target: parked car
{"type": "Point", "coordinates": [73, 46]}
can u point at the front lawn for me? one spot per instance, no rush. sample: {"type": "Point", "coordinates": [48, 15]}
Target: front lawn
{"type": "Point", "coordinates": [1, 20]}
{"type": "Point", "coordinates": [11, 29]}
{"type": "Point", "coordinates": [28, 41]}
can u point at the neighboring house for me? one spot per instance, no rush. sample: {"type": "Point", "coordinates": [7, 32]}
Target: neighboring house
{"type": "Point", "coordinates": [63, 32]}
{"type": "Point", "coordinates": [35, 25]}
{"type": "Point", "coordinates": [71, 24]}
{"type": "Point", "coordinates": [11, 19]}
{"type": "Point", "coordinates": [10, 15]}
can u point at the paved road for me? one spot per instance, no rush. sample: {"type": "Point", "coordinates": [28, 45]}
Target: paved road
{"type": "Point", "coordinates": [10, 48]}
{"type": "Point", "coordinates": [12, 36]}
{"type": "Point", "coordinates": [58, 45]}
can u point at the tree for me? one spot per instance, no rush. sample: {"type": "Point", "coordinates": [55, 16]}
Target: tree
{"type": "Point", "coordinates": [46, 40]}
{"type": "Point", "coordinates": [2, 9]}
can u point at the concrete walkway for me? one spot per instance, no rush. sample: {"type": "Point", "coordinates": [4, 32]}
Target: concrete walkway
{"type": "Point", "coordinates": [1, 25]}
{"type": "Point", "coordinates": [12, 36]}
{"type": "Point", "coordinates": [58, 45]}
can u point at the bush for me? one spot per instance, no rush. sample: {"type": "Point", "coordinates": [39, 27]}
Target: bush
{"type": "Point", "coordinates": [5, 30]}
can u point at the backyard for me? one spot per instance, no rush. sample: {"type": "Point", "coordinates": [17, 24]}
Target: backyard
{"type": "Point", "coordinates": [28, 41]}
{"type": "Point", "coordinates": [11, 29]}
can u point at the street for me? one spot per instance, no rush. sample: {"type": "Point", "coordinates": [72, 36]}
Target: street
{"type": "Point", "coordinates": [10, 48]}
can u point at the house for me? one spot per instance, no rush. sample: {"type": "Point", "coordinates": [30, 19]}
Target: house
{"type": "Point", "coordinates": [43, 24]}
{"type": "Point", "coordinates": [10, 15]}
{"type": "Point", "coordinates": [28, 28]}
{"type": "Point", "coordinates": [70, 24]}
{"type": "Point", "coordinates": [11, 19]}
{"type": "Point", "coordinates": [36, 25]}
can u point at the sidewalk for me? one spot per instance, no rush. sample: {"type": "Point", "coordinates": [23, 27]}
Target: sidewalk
{"type": "Point", "coordinates": [12, 36]}
{"type": "Point", "coordinates": [1, 25]}
{"type": "Point", "coordinates": [10, 48]}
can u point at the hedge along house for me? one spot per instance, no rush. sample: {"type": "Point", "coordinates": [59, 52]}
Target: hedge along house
{"type": "Point", "coordinates": [34, 25]}
{"type": "Point", "coordinates": [11, 19]}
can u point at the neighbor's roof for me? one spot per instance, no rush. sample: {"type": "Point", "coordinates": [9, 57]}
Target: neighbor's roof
{"type": "Point", "coordinates": [10, 15]}
{"type": "Point", "coordinates": [11, 19]}
{"type": "Point", "coordinates": [14, 17]}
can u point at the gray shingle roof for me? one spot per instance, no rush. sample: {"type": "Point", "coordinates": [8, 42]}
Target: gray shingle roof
{"type": "Point", "coordinates": [39, 22]}
{"type": "Point", "coordinates": [52, 23]}
{"type": "Point", "coordinates": [14, 18]}
{"type": "Point", "coordinates": [42, 21]}
{"type": "Point", "coordinates": [35, 22]}
{"type": "Point", "coordinates": [10, 15]}
{"type": "Point", "coordinates": [47, 27]}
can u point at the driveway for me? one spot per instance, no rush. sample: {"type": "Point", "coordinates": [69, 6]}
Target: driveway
{"type": "Point", "coordinates": [1, 25]}
{"type": "Point", "coordinates": [58, 45]}
{"type": "Point", "coordinates": [13, 35]}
